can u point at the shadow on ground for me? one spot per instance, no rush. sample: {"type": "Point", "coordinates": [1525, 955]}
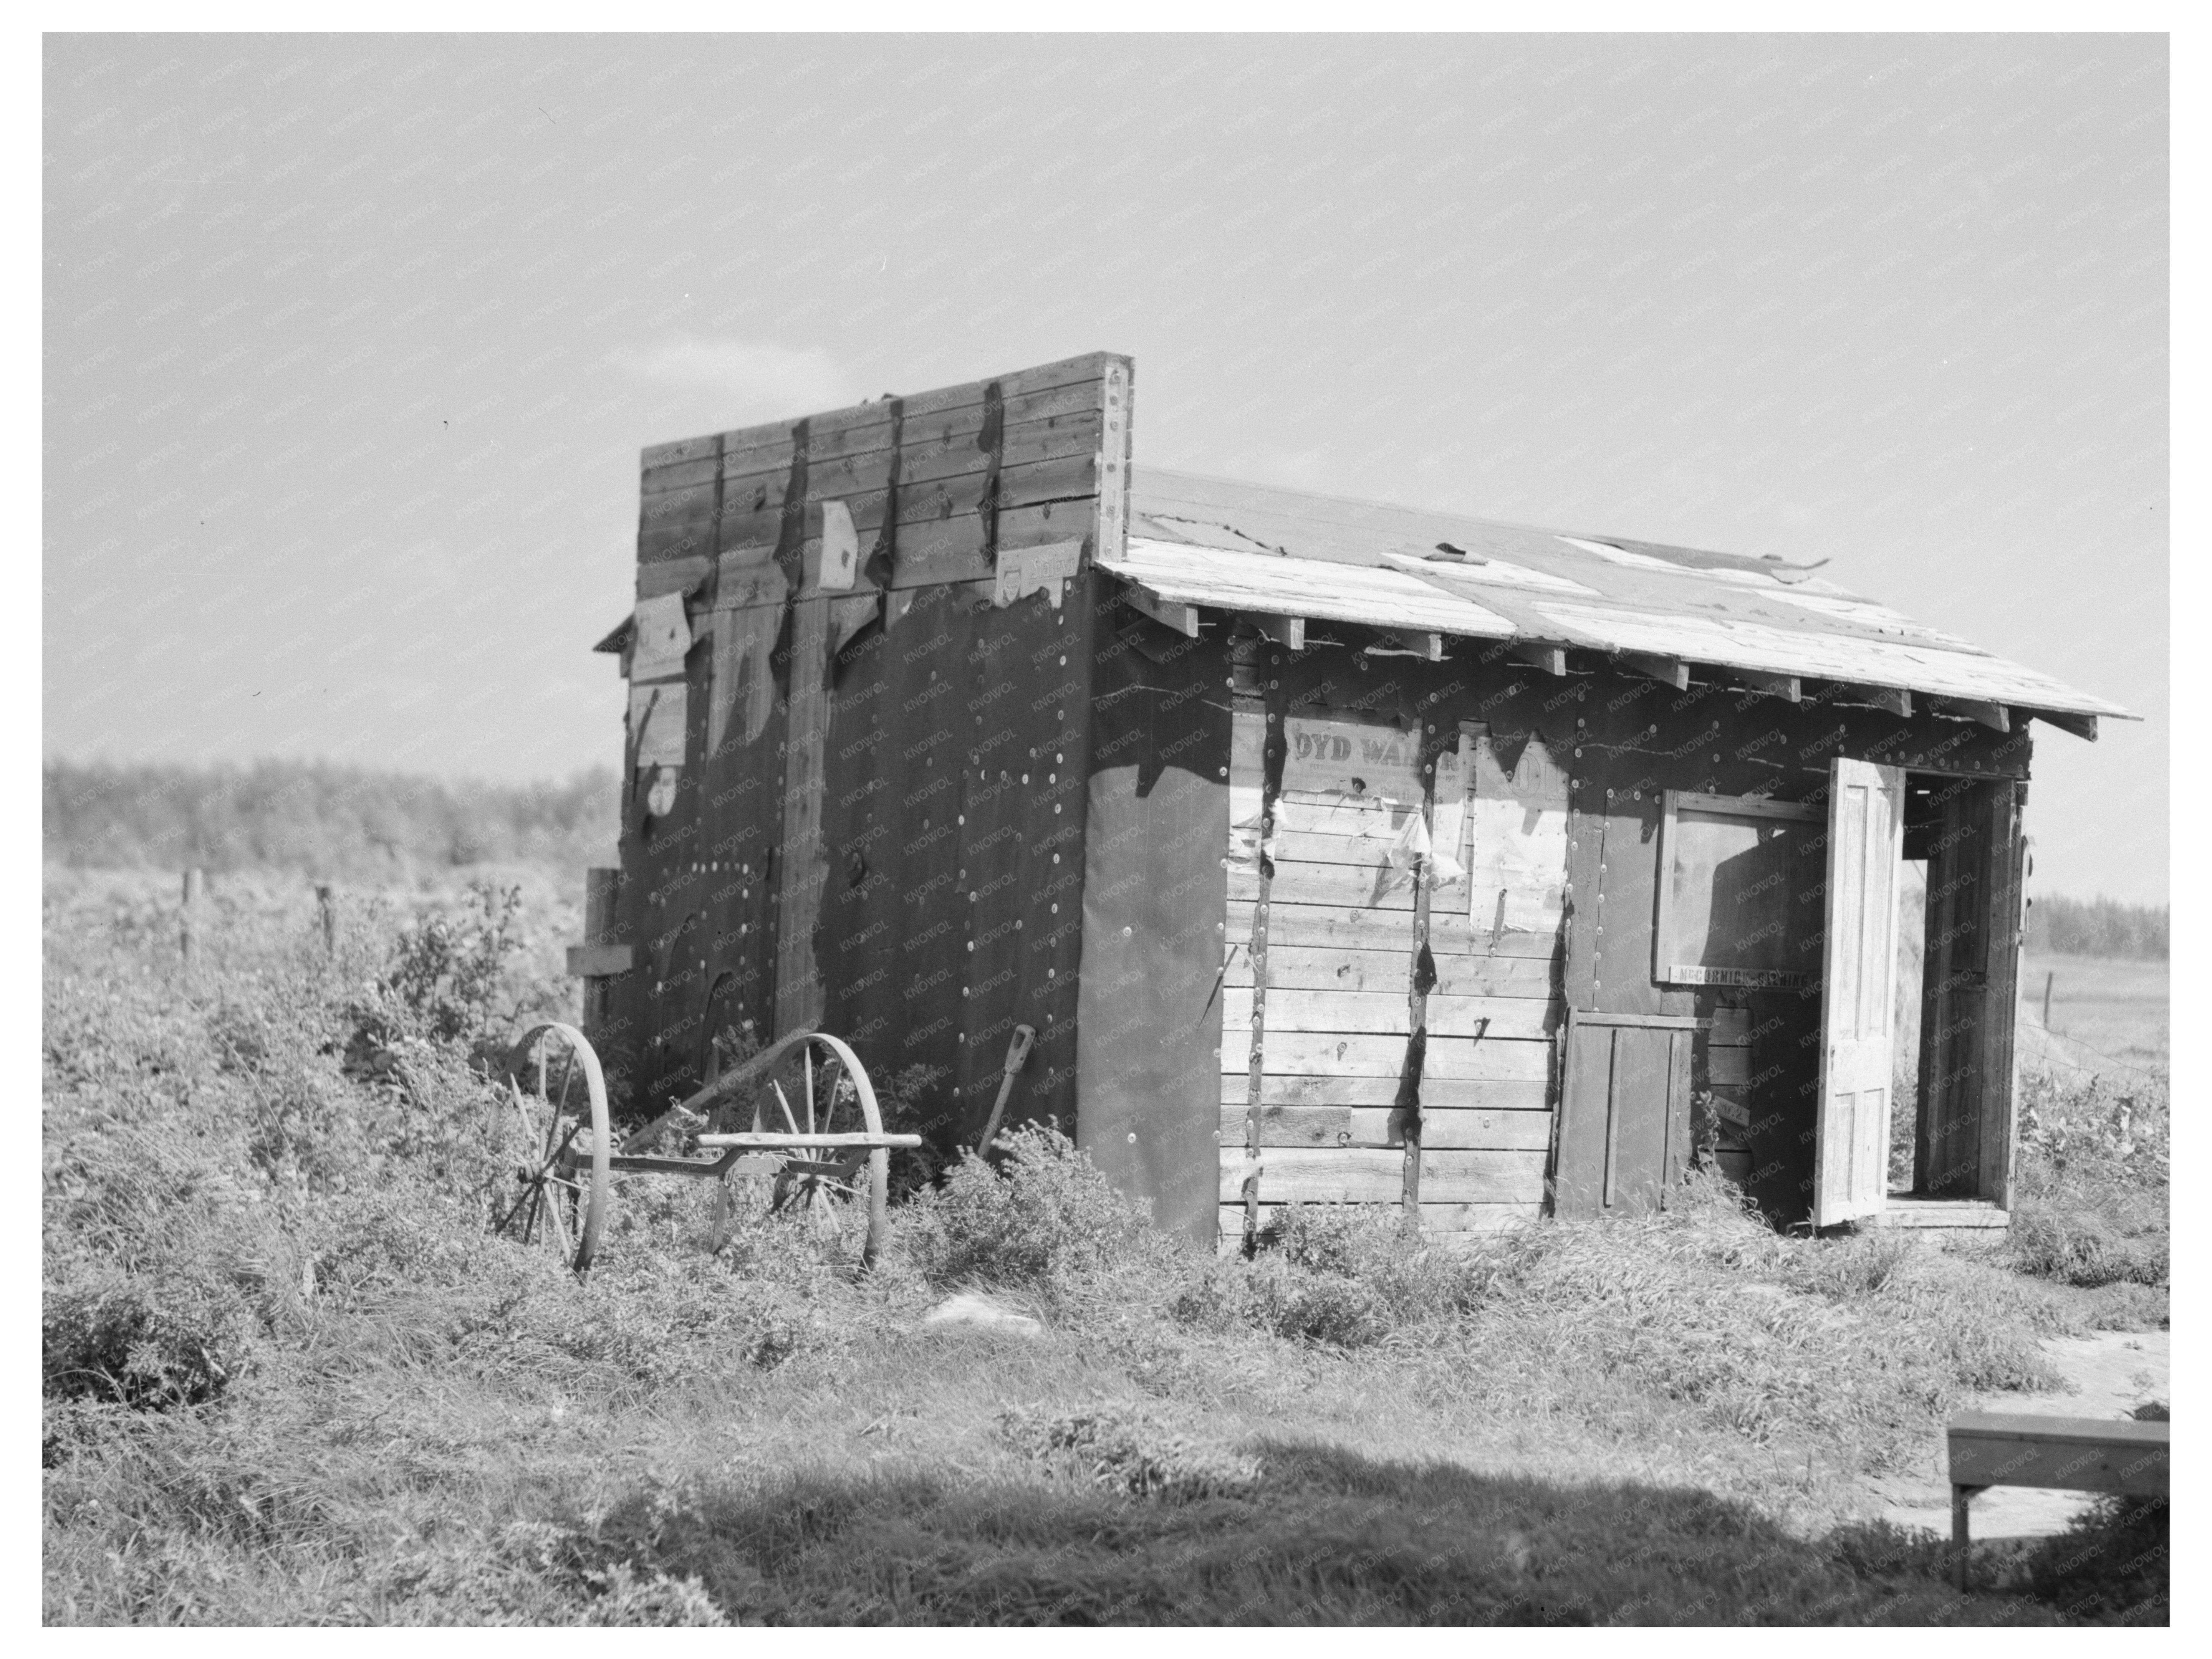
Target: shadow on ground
{"type": "Point", "coordinates": [1325, 1537]}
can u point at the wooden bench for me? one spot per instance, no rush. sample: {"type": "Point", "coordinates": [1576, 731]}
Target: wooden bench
{"type": "Point", "coordinates": [2076, 1454]}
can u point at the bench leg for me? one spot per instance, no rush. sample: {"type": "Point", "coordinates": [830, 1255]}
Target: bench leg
{"type": "Point", "coordinates": [1958, 1538]}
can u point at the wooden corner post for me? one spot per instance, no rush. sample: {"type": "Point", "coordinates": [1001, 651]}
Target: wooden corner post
{"type": "Point", "coordinates": [1275, 748]}
{"type": "Point", "coordinates": [830, 559]}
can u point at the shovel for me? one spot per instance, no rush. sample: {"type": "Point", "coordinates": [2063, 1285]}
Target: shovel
{"type": "Point", "coordinates": [1017, 1055]}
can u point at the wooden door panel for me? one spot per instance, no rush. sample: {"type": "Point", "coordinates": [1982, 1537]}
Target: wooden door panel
{"type": "Point", "coordinates": [1866, 829]}
{"type": "Point", "coordinates": [1624, 1114]}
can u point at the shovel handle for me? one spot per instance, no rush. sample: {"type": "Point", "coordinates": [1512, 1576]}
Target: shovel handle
{"type": "Point", "coordinates": [1017, 1055]}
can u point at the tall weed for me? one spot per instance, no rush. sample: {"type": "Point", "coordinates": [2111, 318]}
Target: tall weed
{"type": "Point", "coordinates": [2093, 1180]}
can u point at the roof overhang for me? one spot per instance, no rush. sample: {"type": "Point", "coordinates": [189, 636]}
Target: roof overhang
{"type": "Point", "coordinates": [1284, 560]}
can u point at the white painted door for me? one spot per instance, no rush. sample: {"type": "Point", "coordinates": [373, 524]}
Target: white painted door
{"type": "Point", "coordinates": [1858, 1002]}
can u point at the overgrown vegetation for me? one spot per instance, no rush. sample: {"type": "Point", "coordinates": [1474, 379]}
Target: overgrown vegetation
{"type": "Point", "coordinates": [292, 1377]}
{"type": "Point", "coordinates": [2113, 1565]}
{"type": "Point", "coordinates": [2092, 1180]}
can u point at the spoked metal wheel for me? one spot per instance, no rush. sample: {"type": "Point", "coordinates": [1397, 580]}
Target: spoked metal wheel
{"type": "Point", "coordinates": [562, 1191]}
{"type": "Point", "coordinates": [817, 1085]}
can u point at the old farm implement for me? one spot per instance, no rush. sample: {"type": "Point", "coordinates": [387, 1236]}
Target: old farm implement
{"type": "Point", "coordinates": [815, 1137]}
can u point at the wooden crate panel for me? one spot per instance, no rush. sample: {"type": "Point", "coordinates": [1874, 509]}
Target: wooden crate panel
{"type": "Point", "coordinates": [1335, 885]}
{"type": "Point", "coordinates": [1310, 1126]}
{"type": "Point", "coordinates": [944, 499]}
{"type": "Point", "coordinates": [1315, 814]}
{"type": "Point", "coordinates": [1316, 968]}
{"type": "Point", "coordinates": [1369, 1126]}
{"type": "Point", "coordinates": [1303, 1053]}
{"type": "Point", "coordinates": [1335, 757]}
{"type": "Point", "coordinates": [1367, 1176]}
{"type": "Point", "coordinates": [953, 550]}
{"type": "Point", "coordinates": [1480, 1177]}
{"type": "Point", "coordinates": [1477, 1218]}
{"type": "Point", "coordinates": [1722, 1068]}
{"type": "Point", "coordinates": [683, 474]}
{"type": "Point", "coordinates": [1451, 934]}
{"type": "Point", "coordinates": [692, 503]}
{"type": "Point", "coordinates": [1507, 1017]}
{"type": "Point", "coordinates": [1487, 1094]}
{"type": "Point", "coordinates": [1445, 1128]}
{"type": "Point", "coordinates": [1324, 925]}
{"type": "Point", "coordinates": [1383, 1011]}
{"type": "Point", "coordinates": [1367, 847]}
{"type": "Point", "coordinates": [952, 420]}
{"type": "Point", "coordinates": [861, 481]}
{"type": "Point", "coordinates": [1448, 1218]}
{"type": "Point", "coordinates": [1301, 1176]}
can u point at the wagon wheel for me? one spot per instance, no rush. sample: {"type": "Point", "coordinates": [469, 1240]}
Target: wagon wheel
{"type": "Point", "coordinates": [558, 1088]}
{"type": "Point", "coordinates": [820, 1087]}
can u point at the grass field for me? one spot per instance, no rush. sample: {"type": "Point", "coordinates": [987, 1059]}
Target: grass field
{"type": "Point", "coordinates": [2106, 1010]}
{"type": "Point", "coordinates": [291, 1376]}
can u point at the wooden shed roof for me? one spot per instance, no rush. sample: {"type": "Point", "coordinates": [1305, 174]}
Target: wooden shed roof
{"type": "Point", "coordinates": [1206, 542]}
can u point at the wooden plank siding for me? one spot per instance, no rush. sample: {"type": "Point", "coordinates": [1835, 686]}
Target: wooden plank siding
{"type": "Point", "coordinates": [1319, 967]}
{"type": "Point", "coordinates": [1368, 1175]}
{"type": "Point", "coordinates": [1469, 1219]}
{"type": "Point", "coordinates": [1333, 1124]}
{"type": "Point", "coordinates": [1375, 1013]}
{"type": "Point", "coordinates": [943, 817]}
{"type": "Point", "coordinates": [1442, 1127]}
{"type": "Point", "coordinates": [1350, 927]}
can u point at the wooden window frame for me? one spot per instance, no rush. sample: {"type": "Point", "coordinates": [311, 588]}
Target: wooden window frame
{"type": "Point", "coordinates": [1664, 972]}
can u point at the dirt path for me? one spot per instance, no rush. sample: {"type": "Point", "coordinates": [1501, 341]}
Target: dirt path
{"type": "Point", "coordinates": [2113, 1372]}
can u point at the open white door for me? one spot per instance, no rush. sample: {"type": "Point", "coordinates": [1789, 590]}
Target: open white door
{"type": "Point", "coordinates": [1866, 831]}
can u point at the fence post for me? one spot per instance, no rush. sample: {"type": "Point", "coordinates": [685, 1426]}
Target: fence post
{"type": "Point", "coordinates": [188, 925]}
{"type": "Point", "coordinates": [326, 900]}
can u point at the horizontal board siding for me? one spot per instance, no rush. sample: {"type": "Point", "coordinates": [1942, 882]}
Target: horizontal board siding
{"type": "Point", "coordinates": [940, 442]}
{"type": "Point", "coordinates": [862, 479]}
{"type": "Point", "coordinates": [1477, 1218]}
{"type": "Point", "coordinates": [1353, 926]}
{"type": "Point", "coordinates": [1319, 814]}
{"type": "Point", "coordinates": [861, 427]}
{"type": "Point", "coordinates": [1060, 479]}
{"type": "Point", "coordinates": [1315, 968]}
{"type": "Point", "coordinates": [1487, 1094]}
{"type": "Point", "coordinates": [1341, 758]}
{"type": "Point", "coordinates": [1381, 1012]}
{"type": "Point", "coordinates": [1325, 925]}
{"type": "Point", "coordinates": [1301, 1053]}
{"type": "Point", "coordinates": [1451, 934]}
{"type": "Point", "coordinates": [1449, 1218]}
{"type": "Point", "coordinates": [1344, 885]}
{"type": "Point", "coordinates": [1370, 846]}
{"type": "Point", "coordinates": [1441, 1128]}
{"type": "Point", "coordinates": [1362, 1176]}
{"type": "Point", "coordinates": [1720, 1064]}
{"type": "Point", "coordinates": [1724, 1069]}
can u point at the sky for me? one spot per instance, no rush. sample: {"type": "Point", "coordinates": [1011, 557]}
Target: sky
{"type": "Point", "coordinates": [350, 342]}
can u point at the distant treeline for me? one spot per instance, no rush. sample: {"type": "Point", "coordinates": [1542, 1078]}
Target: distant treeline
{"type": "Point", "coordinates": [320, 819]}
{"type": "Point", "coordinates": [2097, 928]}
